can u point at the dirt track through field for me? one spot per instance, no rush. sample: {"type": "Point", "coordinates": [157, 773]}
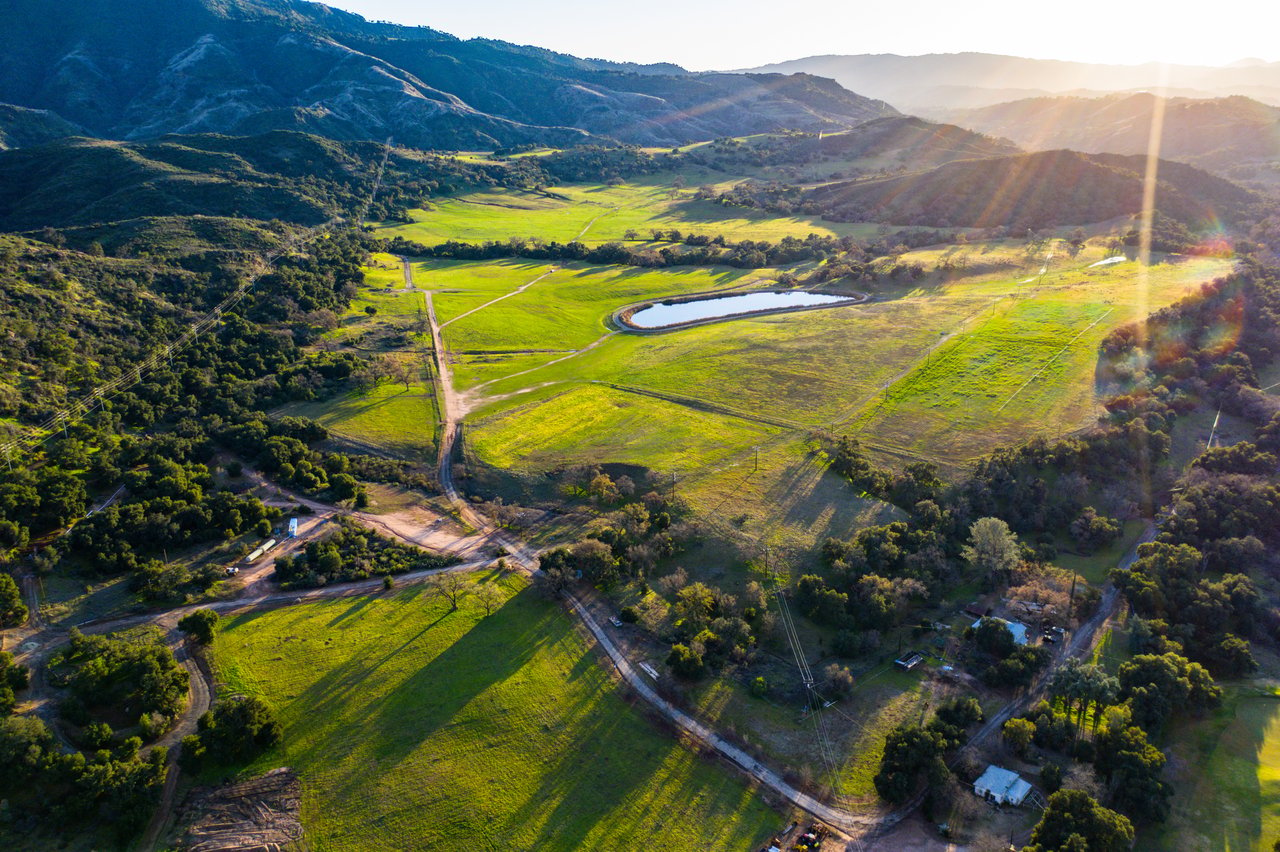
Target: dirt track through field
{"type": "Point", "coordinates": [515, 292]}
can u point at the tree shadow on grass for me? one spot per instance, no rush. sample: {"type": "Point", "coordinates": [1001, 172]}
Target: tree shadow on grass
{"type": "Point", "coordinates": [1226, 801]}
{"type": "Point", "coordinates": [395, 724]}
{"type": "Point", "coordinates": [352, 610]}
{"type": "Point", "coordinates": [611, 786]}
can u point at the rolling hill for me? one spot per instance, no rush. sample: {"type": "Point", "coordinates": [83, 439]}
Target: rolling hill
{"type": "Point", "coordinates": [139, 69]}
{"type": "Point", "coordinates": [20, 127]}
{"type": "Point", "coordinates": [1217, 134]}
{"type": "Point", "coordinates": [294, 177]}
{"type": "Point", "coordinates": [1034, 190]}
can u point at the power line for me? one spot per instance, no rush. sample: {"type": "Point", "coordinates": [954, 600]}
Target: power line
{"type": "Point", "coordinates": [814, 701]}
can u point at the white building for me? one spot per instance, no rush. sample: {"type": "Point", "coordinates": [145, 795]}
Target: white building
{"type": "Point", "coordinates": [1002, 786]}
{"type": "Point", "coordinates": [1018, 629]}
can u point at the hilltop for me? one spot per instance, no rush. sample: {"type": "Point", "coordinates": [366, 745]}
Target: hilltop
{"type": "Point", "coordinates": [1029, 191]}
{"type": "Point", "coordinates": [1224, 134]}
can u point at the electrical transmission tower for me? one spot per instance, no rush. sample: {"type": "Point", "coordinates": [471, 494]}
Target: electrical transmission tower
{"type": "Point", "coordinates": [814, 702]}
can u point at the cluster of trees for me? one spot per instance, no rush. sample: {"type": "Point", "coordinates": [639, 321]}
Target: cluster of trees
{"type": "Point", "coordinates": [170, 504]}
{"type": "Point", "coordinates": [917, 481]}
{"type": "Point", "coordinates": [637, 529]}
{"type": "Point", "coordinates": [352, 552]}
{"type": "Point", "coordinates": [915, 754]}
{"type": "Point", "coordinates": [1073, 821]}
{"type": "Point", "coordinates": [199, 625]}
{"type": "Point", "coordinates": [1000, 661]}
{"type": "Point", "coordinates": [1109, 721]}
{"type": "Point", "coordinates": [127, 679]}
{"type": "Point", "coordinates": [871, 602]}
{"type": "Point", "coordinates": [713, 628]}
{"type": "Point", "coordinates": [13, 678]}
{"type": "Point", "coordinates": [585, 163]}
{"type": "Point", "coordinates": [236, 730]}
{"type": "Point", "coordinates": [13, 612]}
{"type": "Point", "coordinates": [682, 250]}
{"type": "Point", "coordinates": [45, 787]}
{"type": "Point", "coordinates": [1171, 587]}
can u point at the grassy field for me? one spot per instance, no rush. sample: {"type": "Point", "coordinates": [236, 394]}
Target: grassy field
{"type": "Point", "coordinates": [595, 213]}
{"type": "Point", "coordinates": [1025, 365]}
{"type": "Point", "coordinates": [563, 309]}
{"type": "Point", "coordinates": [413, 727]}
{"type": "Point", "coordinates": [1226, 777]}
{"type": "Point", "coordinates": [388, 417]}
{"type": "Point", "coordinates": [943, 369]}
{"type": "Point", "coordinates": [587, 422]}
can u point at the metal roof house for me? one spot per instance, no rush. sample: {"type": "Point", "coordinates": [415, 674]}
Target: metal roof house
{"type": "Point", "coordinates": [1002, 786]}
{"type": "Point", "coordinates": [1017, 628]}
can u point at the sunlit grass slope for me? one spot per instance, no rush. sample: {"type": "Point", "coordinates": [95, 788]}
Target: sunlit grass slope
{"type": "Point", "coordinates": [595, 213]}
{"type": "Point", "coordinates": [413, 727]}
{"type": "Point", "coordinates": [1227, 779]}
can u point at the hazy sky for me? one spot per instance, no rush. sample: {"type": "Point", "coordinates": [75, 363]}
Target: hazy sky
{"type": "Point", "coordinates": [723, 34]}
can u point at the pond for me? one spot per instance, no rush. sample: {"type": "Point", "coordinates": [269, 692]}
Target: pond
{"type": "Point", "coordinates": [666, 314]}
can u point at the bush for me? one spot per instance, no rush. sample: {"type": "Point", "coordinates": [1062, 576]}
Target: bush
{"type": "Point", "coordinates": [199, 625]}
{"type": "Point", "coordinates": [686, 662]}
{"type": "Point", "coordinates": [1051, 778]}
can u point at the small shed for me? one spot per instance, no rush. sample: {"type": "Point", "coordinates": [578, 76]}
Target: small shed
{"type": "Point", "coordinates": [909, 661]}
{"type": "Point", "coordinates": [1002, 786]}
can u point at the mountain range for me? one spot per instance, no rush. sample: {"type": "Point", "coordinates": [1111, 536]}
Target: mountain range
{"type": "Point", "coordinates": [1229, 135]}
{"type": "Point", "coordinates": [926, 85]}
{"type": "Point", "coordinates": [139, 69]}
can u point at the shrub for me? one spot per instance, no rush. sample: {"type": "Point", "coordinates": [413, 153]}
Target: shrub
{"type": "Point", "coordinates": [199, 625]}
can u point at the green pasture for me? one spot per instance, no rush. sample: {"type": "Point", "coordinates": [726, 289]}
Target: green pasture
{"type": "Point", "coordinates": [1225, 772]}
{"type": "Point", "coordinates": [1025, 365]}
{"type": "Point", "coordinates": [413, 727]}
{"type": "Point", "coordinates": [942, 369]}
{"type": "Point", "coordinates": [595, 213]}
{"type": "Point", "coordinates": [388, 418]}
{"type": "Point", "coordinates": [588, 423]}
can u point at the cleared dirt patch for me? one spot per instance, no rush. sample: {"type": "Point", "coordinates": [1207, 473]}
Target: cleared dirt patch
{"type": "Point", "coordinates": [260, 814]}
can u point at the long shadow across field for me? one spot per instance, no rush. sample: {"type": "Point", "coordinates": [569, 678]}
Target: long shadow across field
{"type": "Point", "coordinates": [1233, 787]}
{"type": "Point", "coordinates": [392, 726]}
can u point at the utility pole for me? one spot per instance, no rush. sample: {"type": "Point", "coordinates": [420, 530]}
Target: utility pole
{"type": "Point", "coordinates": [757, 467]}
{"type": "Point", "coordinates": [1071, 601]}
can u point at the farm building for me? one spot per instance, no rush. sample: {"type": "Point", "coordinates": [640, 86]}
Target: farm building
{"type": "Point", "coordinates": [1018, 629]}
{"type": "Point", "coordinates": [909, 661]}
{"type": "Point", "coordinates": [1002, 786]}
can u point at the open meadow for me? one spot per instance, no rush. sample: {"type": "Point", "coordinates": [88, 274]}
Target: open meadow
{"type": "Point", "coordinates": [596, 213]}
{"type": "Point", "coordinates": [1226, 777]}
{"type": "Point", "coordinates": [995, 344]}
{"type": "Point", "coordinates": [943, 370]}
{"type": "Point", "coordinates": [412, 726]}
